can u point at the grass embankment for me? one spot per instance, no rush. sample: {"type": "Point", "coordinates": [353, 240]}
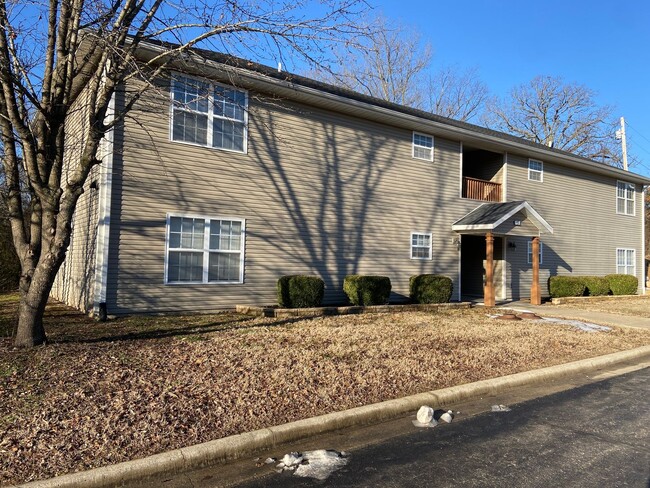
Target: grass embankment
{"type": "Point", "coordinates": [101, 393]}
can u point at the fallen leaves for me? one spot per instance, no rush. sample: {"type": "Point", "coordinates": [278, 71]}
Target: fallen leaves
{"type": "Point", "coordinates": [77, 403]}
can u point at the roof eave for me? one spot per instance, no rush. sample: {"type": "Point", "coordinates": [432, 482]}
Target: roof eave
{"type": "Point", "coordinates": [387, 115]}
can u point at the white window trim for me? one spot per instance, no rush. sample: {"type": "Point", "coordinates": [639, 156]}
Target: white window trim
{"type": "Point", "coordinates": [633, 214]}
{"type": "Point", "coordinates": [529, 252]}
{"type": "Point", "coordinates": [206, 249]}
{"type": "Point", "coordinates": [413, 146]}
{"type": "Point", "coordinates": [210, 114]}
{"type": "Point", "coordinates": [633, 259]}
{"type": "Point", "coordinates": [540, 171]}
{"type": "Point", "coordinates": [430, 245]}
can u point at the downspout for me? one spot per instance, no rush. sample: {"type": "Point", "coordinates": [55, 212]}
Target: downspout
{"type": "Point", "coordinates": [644, 194]}
{"type": "Point", "coordinates": [104, 218]}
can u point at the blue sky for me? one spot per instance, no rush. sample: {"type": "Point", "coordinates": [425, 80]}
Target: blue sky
{"type": "Point", "coordinates": [603, 45]}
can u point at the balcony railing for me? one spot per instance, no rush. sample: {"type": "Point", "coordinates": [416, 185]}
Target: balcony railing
{"type": "Point", "coordinates": [476, 189]}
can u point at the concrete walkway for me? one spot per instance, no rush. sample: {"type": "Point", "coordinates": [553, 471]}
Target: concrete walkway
{"type": "Point", "coordinates": [563, 311]}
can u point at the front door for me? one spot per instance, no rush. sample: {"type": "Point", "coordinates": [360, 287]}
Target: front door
{"type": "Point", "coordinates": [472, 266]}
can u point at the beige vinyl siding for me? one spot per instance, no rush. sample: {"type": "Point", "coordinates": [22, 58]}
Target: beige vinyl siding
{"type": "Point", "coordinates": [74, 283]}
{"type": "Point", "coordinates": [581, 208]}
{"type": "Point", "coordinates": [321, 193]}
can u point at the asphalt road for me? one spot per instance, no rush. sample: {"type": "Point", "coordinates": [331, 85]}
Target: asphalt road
{"type": "Point", "coordinates": [597, 435]}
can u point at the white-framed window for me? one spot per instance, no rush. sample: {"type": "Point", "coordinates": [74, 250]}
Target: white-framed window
{"type": "Point", "coordinates": [535, 170]}
{"type": "Point", "coordinates": [204, 249]}
{"type": "Point", "coordinates": [420, 245]}
{"type": "Point", "coordinates": [625, 198]}
{"type": "Point", "coordinates": [530, 252]}
{"type": "Point", "coordinates": [626, 261]}
{"type": "Point", "coordinates": [208, 114]}
{"type": "Point", "coordinates": [422, 146]}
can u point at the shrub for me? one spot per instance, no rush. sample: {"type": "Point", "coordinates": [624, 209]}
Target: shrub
{"type": "Point", "coordinates": [367, 290]}
{"type": "Point", "coordinates": [622, 284]}
{"type": "Point", "coordinates": [596, 285]}
{"type": "Point", "coordinates": [429, 288]}
{"type": "Point", "coordinates": [566, 286]}
{"type": "Point", "coordinates": [300, 291]}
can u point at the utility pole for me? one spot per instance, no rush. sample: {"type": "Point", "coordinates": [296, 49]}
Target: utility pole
{"type": "Point", "coordinates": [620, 134]}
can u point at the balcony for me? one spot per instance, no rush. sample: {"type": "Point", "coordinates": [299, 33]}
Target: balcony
{"type": "Point", "coordinates": [476, 189]}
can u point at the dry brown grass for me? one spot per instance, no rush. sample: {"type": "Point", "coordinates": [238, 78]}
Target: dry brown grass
{"type": "Point", "coordinates": [639, 307]}
{"type": "Point", "coordinates": [105, 393]}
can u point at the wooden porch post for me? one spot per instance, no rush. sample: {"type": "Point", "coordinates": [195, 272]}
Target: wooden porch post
{"type": "Point", "coordinates": [488, 291]}
{"type": "Point", "coordinates": [535, 295]}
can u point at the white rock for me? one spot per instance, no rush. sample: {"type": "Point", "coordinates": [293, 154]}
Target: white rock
{"type": "Point", "coordinates": [447, 416]}
{"type": "Point", "coordinates": [425, 415]}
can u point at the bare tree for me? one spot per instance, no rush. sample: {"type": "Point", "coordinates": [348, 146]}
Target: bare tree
{"type": "Point", "coordinates": [53, 53]}
{"type": "Point", "coordinates": [389, 64]}
{"type": "Point", "coordinates": [456, 94]}
{"type": "Point", "coordinates": [394, 64]}
{"type": "Point", "coordinates": [562, 115]}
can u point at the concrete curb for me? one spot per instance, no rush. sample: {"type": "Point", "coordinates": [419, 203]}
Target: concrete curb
{"type": "Point", "coordinates": [237, 446]}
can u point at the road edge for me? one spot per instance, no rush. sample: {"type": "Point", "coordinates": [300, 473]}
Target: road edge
{"type": "Point", "coordinates": [234, 447]}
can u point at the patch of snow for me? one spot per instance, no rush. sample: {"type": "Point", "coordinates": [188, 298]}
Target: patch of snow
{"type": "Point", "coordinates": [500, 408]}
{"type": "Point", "coordinates": [417, 423]}
{"type": "Point", "coordinates": [585, 326]}
{"type": "Point", "coordinates": [317, 464]}
{"type": "Point", "coordinates": [579, 324]}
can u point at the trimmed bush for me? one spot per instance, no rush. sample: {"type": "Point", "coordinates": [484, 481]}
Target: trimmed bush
{"type": "Point", "coordinates": [429, 288]}
{"type": "Point", "coordinates": [596, 285]}
{"type": "Point", "coordinates": [566, 286]}
{"type": "Point", "coordinates": [367, 290]}
{"type": "Point", "coordinates": [622, 284]}
{"type": "Point", "coordinates": [300, 291]}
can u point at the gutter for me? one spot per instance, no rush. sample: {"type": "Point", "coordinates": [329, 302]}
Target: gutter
{"type": "Point", "coordinates": [394, 116]}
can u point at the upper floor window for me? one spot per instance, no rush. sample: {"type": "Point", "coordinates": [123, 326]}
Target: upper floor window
{"type": "Point", "coordinates": [422, 146]}
{"type": "Point", "coordinates": [204, 250]}
{"type": "Point", "coordinates": [535, 170]}
{"type": "Point", "coordinates": [420, 246]}
{"type": "Point", "coordinates": [625, 261]}
{"type": "Point", "coordinates": [209, 114]}
{"type": "Point", "coordinates": [624, 198]}
{"type": "Point", "coordinates": [530, 252]}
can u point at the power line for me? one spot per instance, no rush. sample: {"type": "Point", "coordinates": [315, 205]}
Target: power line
{"type": "Point", "coordinates": [641, 135]}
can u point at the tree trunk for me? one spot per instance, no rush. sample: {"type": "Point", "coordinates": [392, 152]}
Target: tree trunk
{"type": "Point", "coordinates": [34, 294]}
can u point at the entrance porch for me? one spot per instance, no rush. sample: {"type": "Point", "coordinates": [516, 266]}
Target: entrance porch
{"type": "Point", "coordinates": [484, 233]}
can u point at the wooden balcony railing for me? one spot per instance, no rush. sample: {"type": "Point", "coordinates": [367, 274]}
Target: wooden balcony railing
{"type": "Point", "coordinates": [476, 189]}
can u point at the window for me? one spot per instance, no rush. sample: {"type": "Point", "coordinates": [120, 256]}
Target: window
{"type": "Point", "coordinates": [422, 146]}
{"type": "Point", "coordinates": [530, 252]}
{"type": "Point", "coordinates": [535, 170]}
{"type": "Point", "coordinates": [208, 114]}
{"type": "Point", "coordinates": [204, 250]}
{"type": "Point", "coordinates": [625, 198]}
{"type": "Point", "coordinates": [420, 246]}
{"type": "Point", "coordinates": [625, 261]}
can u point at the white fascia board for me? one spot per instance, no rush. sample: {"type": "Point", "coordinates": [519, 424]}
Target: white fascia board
{"type": "Point", "coordinates": [456, 227]}
{"type": "Point", "coordinates": [391, 116]}
{"type": "Point", "coordinates": [104, 217]}
{"type": "Point", "coordinates": [537, 219]}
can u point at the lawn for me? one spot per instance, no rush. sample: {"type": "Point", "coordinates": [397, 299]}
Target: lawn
{"type": "Point", "coordinates": [639, 307]}
{"type": "Point", "coordinates": [101, 393]}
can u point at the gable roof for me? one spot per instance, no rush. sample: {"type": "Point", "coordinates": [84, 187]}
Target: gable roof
{"type": "Point", "coordinates": [489, 216]}
{"type": "Point", "coordinates": [301, 88]}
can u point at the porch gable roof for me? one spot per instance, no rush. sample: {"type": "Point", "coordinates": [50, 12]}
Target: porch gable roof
{"type": "Point", "coordinates": [488, 216]}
